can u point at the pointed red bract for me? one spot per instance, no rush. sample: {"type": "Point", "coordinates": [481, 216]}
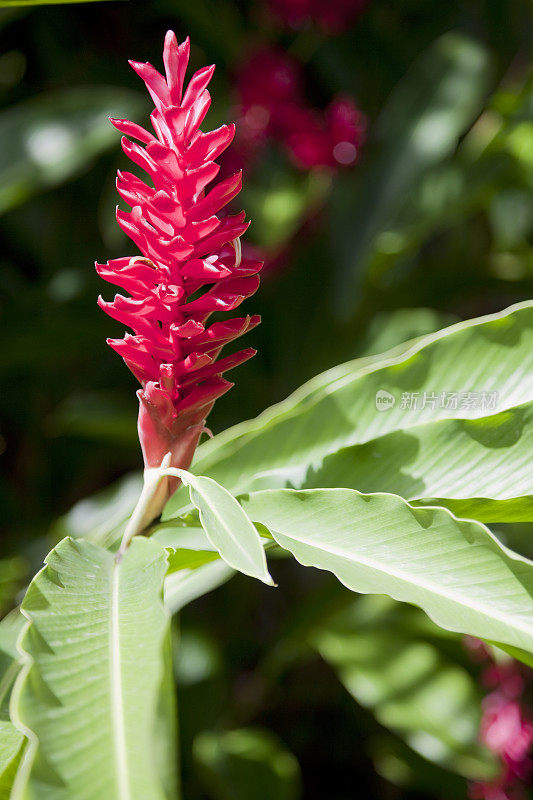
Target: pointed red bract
{"type": "Point", "coordinates": [190, 263]}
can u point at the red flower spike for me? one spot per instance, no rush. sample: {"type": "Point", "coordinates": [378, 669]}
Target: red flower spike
{"type": "Point", "coordinates": [187, 249]}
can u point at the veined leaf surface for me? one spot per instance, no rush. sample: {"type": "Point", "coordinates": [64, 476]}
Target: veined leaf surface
{"type": "Point", "coordinates": [378, 544]}
{"type": "Point", "coordinates": [227, 527]}
{"type": "Point", "coordinates": [11, 747]}
{"type": "Point", "coordinates": [473, 458]}
{"type": "Point", "coordinates": [87, 697]}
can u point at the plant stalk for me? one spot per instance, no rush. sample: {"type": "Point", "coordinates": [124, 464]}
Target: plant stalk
{"type": "Point", "coordinates": [149, 505]}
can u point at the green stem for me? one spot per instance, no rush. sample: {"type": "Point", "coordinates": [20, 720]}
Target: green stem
{"type": "Point", "coordinates": [147, 509]}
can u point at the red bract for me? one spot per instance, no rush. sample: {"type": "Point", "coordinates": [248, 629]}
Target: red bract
{"type": "Point", "coordinates": [190, 265]}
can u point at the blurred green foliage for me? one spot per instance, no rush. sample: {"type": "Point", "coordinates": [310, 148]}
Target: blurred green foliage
{"type": "Point", "coordinates": [434, 223]}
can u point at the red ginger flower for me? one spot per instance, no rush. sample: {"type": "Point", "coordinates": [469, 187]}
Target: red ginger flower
{"type": "Point", "coordinates": [186, 246]}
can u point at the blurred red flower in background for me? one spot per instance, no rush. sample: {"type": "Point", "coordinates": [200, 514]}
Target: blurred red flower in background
{"type": "Point", "coordinates": [271, 105]}
{"type": "Point", "coordinates": [506, 727]}
{"type": "Point", "coordinates": [333, 16]}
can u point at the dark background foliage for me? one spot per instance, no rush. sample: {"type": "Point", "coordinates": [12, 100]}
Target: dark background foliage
{"type": "Point", "coordinates": [432, 223]}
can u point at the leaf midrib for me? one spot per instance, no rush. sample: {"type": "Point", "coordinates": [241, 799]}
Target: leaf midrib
{"type": "Point", "coordinates": [222, 521]}
{"type": "Point", "coordinates": [117, 700]}
{"type": "Point", "coordinates": [401, 575]}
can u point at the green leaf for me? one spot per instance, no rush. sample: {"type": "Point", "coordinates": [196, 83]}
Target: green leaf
{"type": "Point", "coordinates": [412, 686]}
{"type": "Point", "coordinates": [94, 651]}
{"type": "Point", "coordinates": [195, 567]}
{"type": "Point", "coordinates": [12, 741]}
{"type": "Point", "coordinates": [247, 764]}
{"type": "Point", "coordinates": [475, 460]}
{"type": "Point", "coordinates": [10, 628]}
{"type": "Point", "coordinates": [227, 527]}
{"type": "Point", "coordinates": [50, 138]}
{"type": "Point", "coordinates": [431, 107]}
{"type": "Point", "coordinates": [477, 468]}
{"type": "Point", "coordinates": [454, 569]}
{"type": "Point", "coordinates": [188, 559]}
{"type": "Point", "coordinates": [11, 747]}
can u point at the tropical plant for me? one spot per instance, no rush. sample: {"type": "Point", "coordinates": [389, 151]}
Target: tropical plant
{"type": "Point", "coordinates": [383, 471]}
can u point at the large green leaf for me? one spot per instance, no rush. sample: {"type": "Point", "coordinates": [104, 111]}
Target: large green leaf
{"type": "Point", "coordinates": [480, 468]}
{"type": "Point", "coordinates": [378, 544]}
{"type": "Point", "coordinates": [433, 104]}
{"type": "Point", "coordinates": [51, 137]}
{"type": "Point", "coordinates": [434, 452]}
{"type": "Point", "coordinates": [94, 651]}
{"type": "Point", "coordinates": [390, 663]}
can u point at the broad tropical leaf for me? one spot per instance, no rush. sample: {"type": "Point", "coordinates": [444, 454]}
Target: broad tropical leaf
{"type": "Point", "coordinates": [478, 468]}
{"type": "Point", "coordinates": [94, 651]}
{"type": "Point", "coordinates": [378, 544]}
{"type": "Point", "coordinates": [473, 458]}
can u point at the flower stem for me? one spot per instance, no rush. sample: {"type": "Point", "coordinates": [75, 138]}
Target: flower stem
{"type": "Point", "coordinates": [149, 504]}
